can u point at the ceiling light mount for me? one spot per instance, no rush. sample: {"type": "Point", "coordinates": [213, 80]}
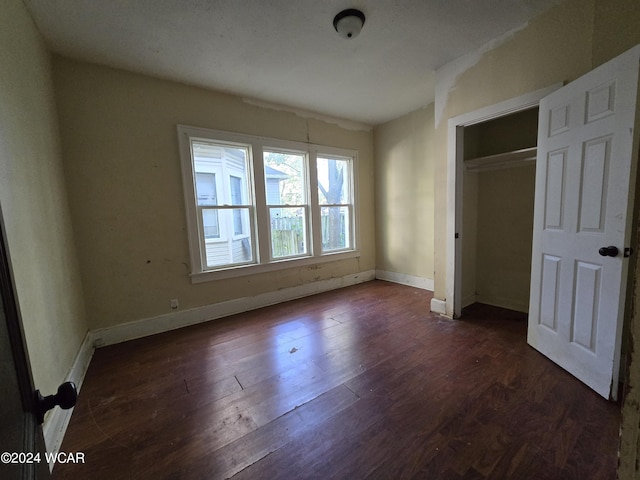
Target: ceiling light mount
{"type": "Point", "coordinates": [349, 22]}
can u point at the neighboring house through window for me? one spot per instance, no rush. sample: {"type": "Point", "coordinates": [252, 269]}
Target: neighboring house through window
{"type": "Point", "coordinates": [237, 188]}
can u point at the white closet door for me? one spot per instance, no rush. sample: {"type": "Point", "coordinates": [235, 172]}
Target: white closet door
{"type": "Point", "coordinates": [585, 179]}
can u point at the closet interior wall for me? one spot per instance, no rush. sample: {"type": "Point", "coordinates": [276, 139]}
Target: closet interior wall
{"type": "Point", "coordinates": [498, 210]}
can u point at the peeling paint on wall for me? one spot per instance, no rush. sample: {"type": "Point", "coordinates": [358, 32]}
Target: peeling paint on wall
{"type": "Point", "coordinates": [447, 75]}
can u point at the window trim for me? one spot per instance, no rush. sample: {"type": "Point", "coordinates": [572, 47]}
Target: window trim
{"type": "Point", "coordinates": [256, 146]}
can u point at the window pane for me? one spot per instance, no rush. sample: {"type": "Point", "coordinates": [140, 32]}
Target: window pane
{"type": "Point", "coordinates": [241, 246]}
{"type": "Point", "coordinates": [241, 221]}
{"type": "Point", "coordinates": [238, 229]}
{"type": "Point", "coordinates": [336, 228]}
{"type": "Point", "coordinates": [210, 223]}
{"type": "Point", "coordinates": [284, 178]}
{"type": "Point", "coordinates": [210, 160]}
{"type": "Point", "coordinates": [220, 251]}
{"type": "Point", "coordinates": [334, 179]}
{"type": "Point", "coordinates": [206, 188]}
{"type": "Point", "coordinates": [236, 190]}
{"type": "Point", "coordinates": [285, 185]}
{"type": "Point", "coordinates": [222, 179]}
{"type": "Point", "coordinates": [237, 199]}
{"type": "Point", "coordinates": [288, 232]}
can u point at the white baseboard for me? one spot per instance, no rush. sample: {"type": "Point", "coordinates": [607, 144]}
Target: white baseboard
{"type": "Point", "coordinates": [405, 279]}
{"type": "Point", "coordinates": [171, 321]}
{"type": "Point", "coordinates": [57, 419]}
{"type": "Point", "coordinates": [439, 306]}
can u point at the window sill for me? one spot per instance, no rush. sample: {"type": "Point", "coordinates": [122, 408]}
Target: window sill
{"type": "Point", "coordinates": [244, 270]}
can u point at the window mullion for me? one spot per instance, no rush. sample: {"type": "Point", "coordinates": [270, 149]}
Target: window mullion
{"type": "Point", "coordinates": [262, 212]}
{"type": "Point", "coordinates": [316, 222]}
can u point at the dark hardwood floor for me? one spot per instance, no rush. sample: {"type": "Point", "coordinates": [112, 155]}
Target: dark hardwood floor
{"type": "Point", "coordinates": [357, 383]}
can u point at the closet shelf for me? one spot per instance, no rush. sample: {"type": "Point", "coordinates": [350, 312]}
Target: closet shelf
{"type": "Point", "coordinates": [501, 160]}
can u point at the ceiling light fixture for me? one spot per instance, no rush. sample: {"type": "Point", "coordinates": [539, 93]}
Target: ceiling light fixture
{"type": "Point", "coordinates": [349, 22]}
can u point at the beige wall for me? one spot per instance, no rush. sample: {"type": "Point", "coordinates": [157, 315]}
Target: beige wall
{"type": "Point", "coordinates": [498, 228]}
{"type": "Point", "coordinates": [615, 28]}
{"type": "Point", "coordinates": [123, 172]}
{"type": "Point", "coordinates": [505, 234]}
{"type": "Point", "coordinates": [34, 202]}
{"type": "Point", "coordinates": [404, 194]}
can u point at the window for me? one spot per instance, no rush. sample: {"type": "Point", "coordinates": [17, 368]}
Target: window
{"type": "Point", "coordinates": [286, 189]}
{"type": "Point", "coordinates": [335, 199]}
{"type": "Point", "coordinates": [223, 208]}
{"type": "Point", "coordinates": [257, 204]}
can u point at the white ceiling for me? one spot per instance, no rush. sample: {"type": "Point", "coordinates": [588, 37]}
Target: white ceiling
{"type": "Point", "coordinates": [285, 51]}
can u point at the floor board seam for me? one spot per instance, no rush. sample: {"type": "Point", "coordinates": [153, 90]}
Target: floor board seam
{"type": "Point", "coordinates": [347, 387]}
{"type": "Point", "coordinates": [252, 464]}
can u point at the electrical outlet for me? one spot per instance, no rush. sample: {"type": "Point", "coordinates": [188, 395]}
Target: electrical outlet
{"type": "Point", "coordinates": [174, 304]}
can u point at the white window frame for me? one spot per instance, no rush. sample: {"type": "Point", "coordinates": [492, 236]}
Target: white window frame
{"type": "Point", "coordinates": [261, 236]}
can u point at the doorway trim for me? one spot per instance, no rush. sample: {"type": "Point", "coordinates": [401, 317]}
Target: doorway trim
{"type": "Point", "coordinates": [455, 157]}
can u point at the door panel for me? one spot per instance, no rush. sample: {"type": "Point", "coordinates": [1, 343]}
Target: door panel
{"type": "Point", "coordinates": [587, 299]}
{"type": "Point", "coordinates": [585, 180]}
{"type": "Point", "coordinates": [555, 182]}
{"type": "Point", "coordinates": [593, 189]}
{"type": "Point", "coordinates": [549, 298]}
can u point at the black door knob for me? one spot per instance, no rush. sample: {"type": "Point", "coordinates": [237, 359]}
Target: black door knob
{"type": "Point", "coordinates": [65, 398]}
{"type": "Point", "coordinates": [610, 251]}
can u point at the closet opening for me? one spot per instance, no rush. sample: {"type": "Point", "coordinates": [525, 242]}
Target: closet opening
{"type": "Point", "coordinates": [498, 184]}
{"type": "Point", "coordinates": [495, 135]}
